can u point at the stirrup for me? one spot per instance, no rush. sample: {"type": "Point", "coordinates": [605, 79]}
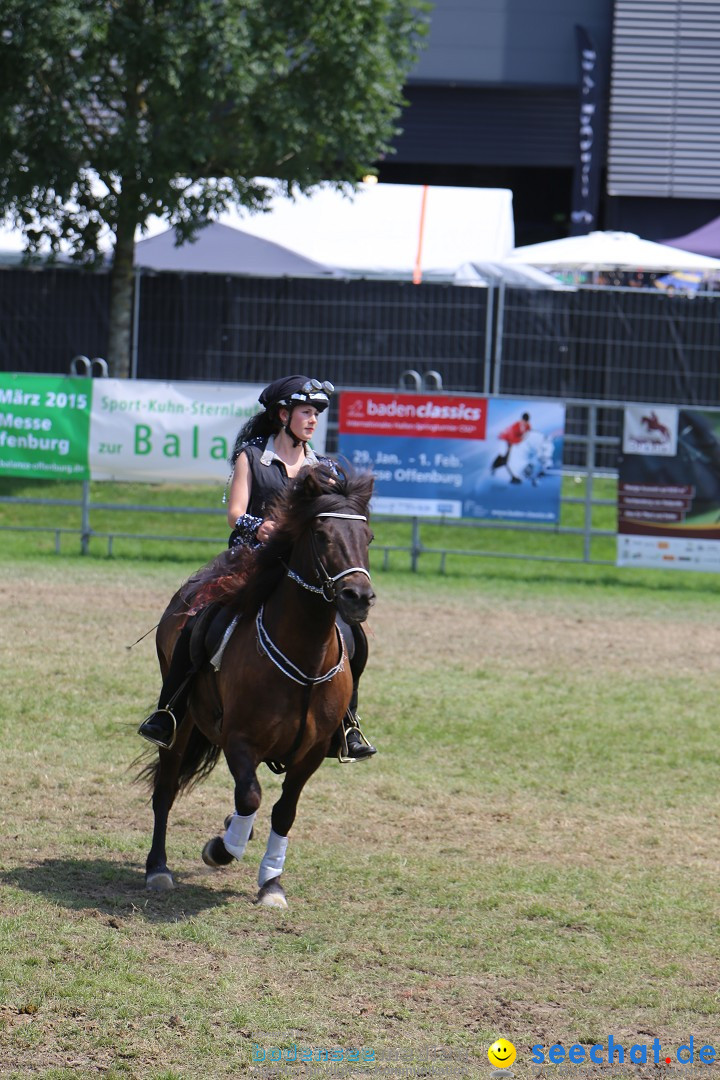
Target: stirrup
{"type": "Point", "coordinates": [155, 740]}
{"type": "Point", "coordinates": [342, 754]}
{"type": "Point", "coordinates": [350, 723]}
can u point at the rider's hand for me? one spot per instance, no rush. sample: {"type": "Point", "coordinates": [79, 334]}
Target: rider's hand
{"type": "Point", "coordinates": [266, 530]}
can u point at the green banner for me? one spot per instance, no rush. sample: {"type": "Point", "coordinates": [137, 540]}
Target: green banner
{"type": "Point", "coordinates": [44, 426]}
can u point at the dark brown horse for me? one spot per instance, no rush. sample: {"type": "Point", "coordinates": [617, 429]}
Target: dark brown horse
{"type": "Point", "coordinates": [284, 682]}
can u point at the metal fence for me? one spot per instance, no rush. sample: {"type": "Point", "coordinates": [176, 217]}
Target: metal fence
{"type": "Point", "coordinates": [610, 344]}
{"type": "Point", "coordinates": [596, 343]}
{"type": "Point", "coordinates": [586, 442]}
{"type": "Point", "coordinates": [595, 347]}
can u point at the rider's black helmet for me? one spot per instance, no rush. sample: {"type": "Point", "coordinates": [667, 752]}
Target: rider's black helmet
{"type": "Point", "coordinates": [297, 390]}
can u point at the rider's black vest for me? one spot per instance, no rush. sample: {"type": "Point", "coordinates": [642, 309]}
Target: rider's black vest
{"type": "Point", "coordinates": [267, 480]}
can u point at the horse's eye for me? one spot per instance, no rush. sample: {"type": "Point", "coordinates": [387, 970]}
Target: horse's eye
{"type": "Point", "coordinates": [371, 538]}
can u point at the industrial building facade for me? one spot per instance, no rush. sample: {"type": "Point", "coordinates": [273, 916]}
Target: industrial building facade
{"type": "Point", "coordinates": [546, 97]}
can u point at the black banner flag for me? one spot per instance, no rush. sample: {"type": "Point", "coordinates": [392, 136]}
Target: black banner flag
{"type": "Point", "coordinates": [586, 189]}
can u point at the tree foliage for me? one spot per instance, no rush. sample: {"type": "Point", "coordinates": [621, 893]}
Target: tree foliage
{"type": "Point", "coordinates": [113, 111]}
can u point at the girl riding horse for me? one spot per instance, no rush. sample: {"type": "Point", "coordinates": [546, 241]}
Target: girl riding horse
{"type": "Point", "coordinates": [270, 450]}
{"type": "Point", "coordinates": [281, 684]}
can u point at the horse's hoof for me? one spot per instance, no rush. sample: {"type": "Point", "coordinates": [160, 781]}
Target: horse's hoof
{"type": "Point", "coordinates": [272, 895]}
{"type": "Point", "coordinates": [215, 853]}
{"type": "Point", "coordinates": [160, 881]}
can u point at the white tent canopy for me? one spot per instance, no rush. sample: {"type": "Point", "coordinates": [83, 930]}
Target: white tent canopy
{"type": "Point", "coordinates": [383, 226]}
{"type": "Point", "coordinates": [610, 251]}
{"type": "Point", "coordinates": [381, 229]}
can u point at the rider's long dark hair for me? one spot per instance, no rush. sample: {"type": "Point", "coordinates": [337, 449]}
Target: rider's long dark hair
{"type": "Point", "coordinates": [260, 426]}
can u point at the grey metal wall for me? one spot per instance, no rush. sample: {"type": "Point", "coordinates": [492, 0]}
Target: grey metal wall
{"type": "Point", "coordinates": [512, 42]}
{"type": "Point", "coordinates": [664, 130]}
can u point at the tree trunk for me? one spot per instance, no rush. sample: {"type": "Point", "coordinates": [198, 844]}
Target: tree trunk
{"type": "Point", "coordinates": [121, 300]}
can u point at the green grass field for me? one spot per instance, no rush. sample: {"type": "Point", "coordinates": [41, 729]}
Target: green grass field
{"type": "Point", "coordinates": [532, 854]}
{"type": "Point", "coordinates": [159, 519]}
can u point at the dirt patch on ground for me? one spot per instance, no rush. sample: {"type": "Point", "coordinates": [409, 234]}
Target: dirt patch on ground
{"type": "Point", "coordinates": [459, 629]}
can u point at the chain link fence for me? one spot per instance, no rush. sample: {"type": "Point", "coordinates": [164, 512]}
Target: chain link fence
{"type": "Point", "coordinates": [594, 347]}
{"type": "Point", "coordinates": [599, 343]}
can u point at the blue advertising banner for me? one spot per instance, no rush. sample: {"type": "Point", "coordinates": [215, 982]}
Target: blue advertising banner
{"type": "Point", "coordinates": [456, 456]}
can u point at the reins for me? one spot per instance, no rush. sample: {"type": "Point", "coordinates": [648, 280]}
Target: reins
{"type": "Point", "coordinates": [282, 663]}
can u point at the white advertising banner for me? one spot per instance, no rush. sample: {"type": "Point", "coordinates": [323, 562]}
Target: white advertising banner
{"type": "Point", "coordinates": [651, 431]}
{"type": "Point", "coordinates": [174, 432]}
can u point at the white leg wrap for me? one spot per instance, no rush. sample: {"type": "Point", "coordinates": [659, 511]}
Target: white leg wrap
{"type": "Point", "coordinates": [238, 834]}
{"type": "Point", "coordinates": [274, 858]}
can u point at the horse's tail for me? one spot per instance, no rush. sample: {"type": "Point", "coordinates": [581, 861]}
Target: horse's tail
{"type": "Point", "coordinates": [198, 761]}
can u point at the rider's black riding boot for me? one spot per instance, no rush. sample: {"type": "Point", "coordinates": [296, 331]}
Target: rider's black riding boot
{"type": "Point", "coordinates": [161, 726]}
{"type": "Point", "coordinates": [348, 742]}
{"type": "Point", "coordinates": [358, 746]}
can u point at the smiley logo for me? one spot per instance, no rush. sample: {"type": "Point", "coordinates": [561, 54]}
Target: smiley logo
{"type": "Point", "coordinates": [501, 1054]}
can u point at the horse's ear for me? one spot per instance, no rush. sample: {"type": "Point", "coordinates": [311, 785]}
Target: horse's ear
{"type": "Point", "coordinates": [320, 481]}
{"type": "Point", "coordinates": [309, 482]}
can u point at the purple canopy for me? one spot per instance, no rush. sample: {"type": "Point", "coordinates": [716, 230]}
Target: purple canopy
{"type": "Point", "coordinates": [703, 241]}
{"type": "Point", "coordinates": [220, 249]}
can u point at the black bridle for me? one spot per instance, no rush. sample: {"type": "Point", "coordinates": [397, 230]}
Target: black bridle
{"type": "Point", "coordinates": [328, 582]}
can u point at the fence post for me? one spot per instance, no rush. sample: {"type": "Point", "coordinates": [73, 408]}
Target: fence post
{"type": "Point", "coordinates": [82, 362]}
{"type": "Point", "coordinates": [414, 377]}
{"type": "Point", "coordinates": [499, 327]}
{"type": "Point", "coordinates": [85, 529]}
{"type": "Point", "coordinates": [489, 327]}
{"type": "Point", "coordinates": [95, 368]}
{"type": "Point", "coordinates": [415, 545]}
{"type": "Point", "coordinates": [98, 367]}
{"type": "Point", "coordinates": [589, 472]}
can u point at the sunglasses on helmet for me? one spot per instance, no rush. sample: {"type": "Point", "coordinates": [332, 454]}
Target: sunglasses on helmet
{"type": "Point", "coordinates": [315, 385]}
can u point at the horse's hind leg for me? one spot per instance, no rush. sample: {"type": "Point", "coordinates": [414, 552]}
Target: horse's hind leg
{"type": "Point", "coordinates": [157, 874]}
{"type": "Point", "coordinates": [221, 850]}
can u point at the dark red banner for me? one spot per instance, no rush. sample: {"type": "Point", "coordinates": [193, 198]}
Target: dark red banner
{"type": "Point", "coordinates": [410, 415]}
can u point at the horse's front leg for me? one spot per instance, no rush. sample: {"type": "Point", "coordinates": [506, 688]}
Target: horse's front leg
{"type": "Point", "coordinates": [271, 892]}
{"type": "Point", "coordinates": [221, 850]}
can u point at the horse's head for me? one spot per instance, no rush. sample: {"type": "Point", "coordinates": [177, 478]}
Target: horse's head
{"type": "Point", "coordinates": [325, 516]}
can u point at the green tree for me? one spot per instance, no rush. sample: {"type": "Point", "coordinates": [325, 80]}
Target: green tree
{"type": "Point", "coordinates": [112, 111]}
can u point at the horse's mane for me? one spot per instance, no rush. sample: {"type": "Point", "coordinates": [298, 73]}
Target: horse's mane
{"type": "Point", "coordinates": [245, 578]}
{"type": "Point", "coordinates": [322, 489]}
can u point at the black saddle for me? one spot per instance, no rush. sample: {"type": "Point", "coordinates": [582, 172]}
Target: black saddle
{"type": "Point", "coordinates": [208, 628]}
